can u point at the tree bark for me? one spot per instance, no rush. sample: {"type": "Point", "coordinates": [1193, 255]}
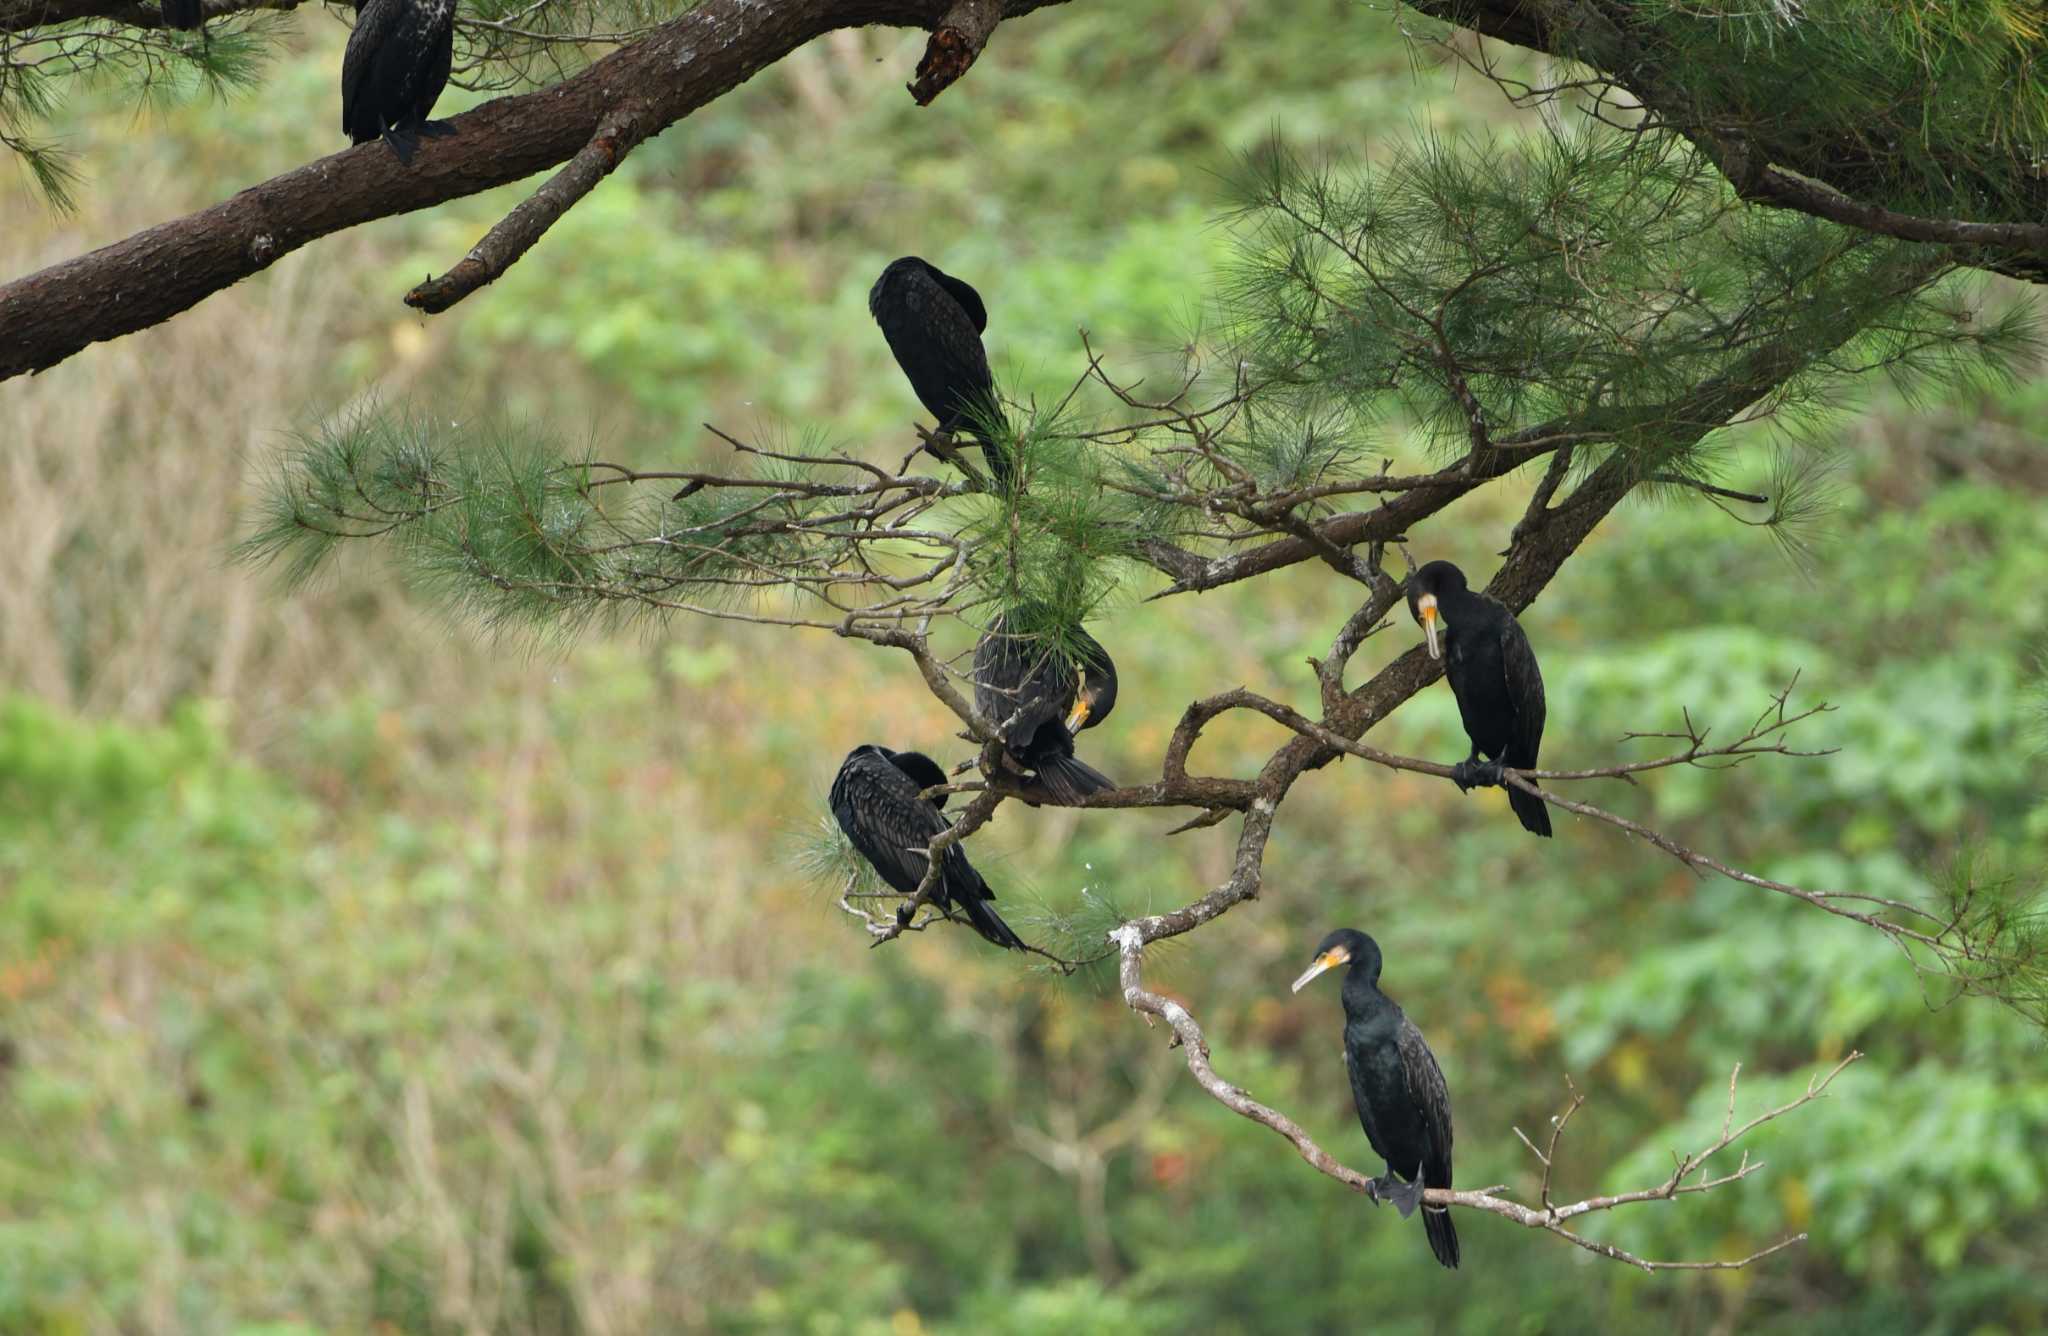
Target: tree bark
{"type": "Point", "coordinates": [1835, 178]}
{"type": "Point", "coordinates": [147, 278]}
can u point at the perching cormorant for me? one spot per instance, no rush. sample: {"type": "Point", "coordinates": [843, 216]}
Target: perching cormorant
{"type": "Point", "coordinates": [396, 65]}
{"type": "Point", "coordinates": [1399, 1089]}
{"type": "Point", "coordinates": [182, 14]}
{"type": "Point", "coordinates": [1039, 698]}
{"type": "Point", "coordinates": [933, 322]}
{"type": "Point", "coordinates": [1493, 673]}
{"type": "Point", "coordinates": [877, 798]}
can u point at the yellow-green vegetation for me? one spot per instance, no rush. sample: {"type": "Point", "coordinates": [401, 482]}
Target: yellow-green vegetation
{"type": "Point", "coordinates": [361, 972]}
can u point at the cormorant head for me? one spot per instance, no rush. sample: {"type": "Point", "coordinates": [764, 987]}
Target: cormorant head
{"type": "Point", "coordinates": [960, 290]}
{"type": "Point", "coordinates": [1344, 946]}
{"type": "Point", "coordinates": [922, 769]}
{"type": "Point", "coordinates": [1097, 696]}
{"type": "Point", "coordinates": [1425, 587]}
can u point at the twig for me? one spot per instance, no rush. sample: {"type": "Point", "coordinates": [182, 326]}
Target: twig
{"type": "Point", "coordinates": [621, 130]}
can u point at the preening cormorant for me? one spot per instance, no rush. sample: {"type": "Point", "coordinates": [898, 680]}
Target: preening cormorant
{"type": "Point", "coordinates": [1493, 673]}
{"type": "Point", "coordinates": [182, 14]}
{"type": "Point", "coordinates": [1039, 698]}
{"type": "Point", "coordinates": [877, 799]}
{"type": "Point", "coordinates": [396, 65]}
{"type": "Point", "coordinates": [1399, 1089]}
{"type": "Point", "coordinates": [933, 322]}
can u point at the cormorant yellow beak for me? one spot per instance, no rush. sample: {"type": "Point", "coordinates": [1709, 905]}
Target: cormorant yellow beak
{"type": "Point", "coordinates": [1079, 714]}
{"type": "Point", "coordinates": [1328, 960]}
{"type": "Point", "coordinates": [1426, 605]}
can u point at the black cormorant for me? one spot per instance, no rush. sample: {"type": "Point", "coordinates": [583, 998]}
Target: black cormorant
{"type": "Point", "coordinates": [396, 65]}
{"type": "Point", "coordinates": [933, 322]}
{"type": "Point", "coordinates": [182, 14]}
{"type": "Point", "coordinates": [1397, 1086]}
{"type": "Point", "coordinates": [1493, 673]}
{"type": "Point", "coordinates": [877, 798]}
{"type": "Point", "coordinates": [1038, 698]}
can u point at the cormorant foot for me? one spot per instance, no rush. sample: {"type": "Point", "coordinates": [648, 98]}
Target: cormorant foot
{"type": "Point", "coordinates": [1473, 773]}
{"type": "Point", "coordinates": [436, 129]}
{"type": "Point", "coordinates": [1405, 1196]}
{"type": "Point", "coordinates": [404, 143]}
{"type": "Point", "coordinates": [904, 912]}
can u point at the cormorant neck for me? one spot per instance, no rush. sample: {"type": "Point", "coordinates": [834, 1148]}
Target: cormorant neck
{"type": "Point", "coordinates": [1362, 996]}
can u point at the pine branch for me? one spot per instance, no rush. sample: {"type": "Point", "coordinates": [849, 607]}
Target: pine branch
{"type": "Point", "coordinates": [1824, 173]}
{"type": "Point", "coordinates": [46, 317]}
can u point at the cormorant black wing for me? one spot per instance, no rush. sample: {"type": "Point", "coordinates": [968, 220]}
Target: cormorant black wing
{"type": "Point", "coordinates": [890, 824]}
{"type": "Point", "coordinates": [1524, 683]}
{"type": "Point", "coordinates": [1427, 1089]}
{"type": "Point", "coordinates": [376, 22]}
{"type": "Point", "coordinates": [937, 343]}
{"type": "Point", "coordinates": [396, 66]}
{"type": "Point", "coordinates": [1525, 693]}
{"type": "Point", "coordinates": [1021, 685]}
{"type": "Point", "coordinates": [970, 300]}
{"type": "Point", "coordinates": [878, 807]}
{"type": "Point", "coordinates": [1428, 1093]}
{"type": "Point", "coordinates": [440, 63]}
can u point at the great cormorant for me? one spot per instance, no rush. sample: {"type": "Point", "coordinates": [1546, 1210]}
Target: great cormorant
{"type": "Point", "coordinates": [182, 14]}
{"type": "Point", "coordinates": [1399, 1089]}
{"type": "Point", "coordinates": [1039, 697]}
{"type": "Point", "coordinates": [396, 65]}
{"type": "Point", "coordinates": [877, 799]}
{"type": "Point", "coordinates": [1493, 673]}
{"type": "Point", "coordinates": [933, 322]}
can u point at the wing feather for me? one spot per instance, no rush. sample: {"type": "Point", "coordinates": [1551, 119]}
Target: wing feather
{"type": "Point", "coordinates": [1525, 694]}
{"type": "Point", "coordinates": [375, 22]}
{"type": "Point", "coordinates": [877, 806]}
{"type": "Point", "coordinates": [1426, 1087]}
{"type": "Point", "coordinates": [1021, 684]}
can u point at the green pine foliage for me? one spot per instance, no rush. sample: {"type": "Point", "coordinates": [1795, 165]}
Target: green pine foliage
{"type": "Point", "coordinates": [1591, 283]}
{"type": "Point", "coordinates": [498, 527]}
{"type": "Point", "coordinates": [1936, 107]}
{"type": "Point", "coordinates": [150, 68]}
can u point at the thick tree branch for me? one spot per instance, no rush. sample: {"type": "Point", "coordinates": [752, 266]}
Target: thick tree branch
{"type": "Point", "coordinates": [955, 42]}
{"type": "Point", "coordinates": [133, 284]}
{"type": "Point", "coordinates": [23, 15]}
{"type": "Point", "coordinates": [1823, 178]}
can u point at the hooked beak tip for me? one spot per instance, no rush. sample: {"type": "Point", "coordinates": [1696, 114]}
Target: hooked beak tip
{"type": "Point", "coordinates": [1308, 975]}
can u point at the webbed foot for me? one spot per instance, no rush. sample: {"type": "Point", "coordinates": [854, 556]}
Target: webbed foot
{"type": "Point", "coordinates": [404, 143]}
{"type": "Point", "coordinates": [1473, 773]}
{"type": "Point", "coordinates": [1405, 1196]}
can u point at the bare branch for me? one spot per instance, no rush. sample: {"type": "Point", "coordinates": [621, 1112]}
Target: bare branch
{"type": "Point", "coordinates": [1131, 940]}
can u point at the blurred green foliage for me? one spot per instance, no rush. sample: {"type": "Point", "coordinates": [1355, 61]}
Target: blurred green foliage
{"type": "Point", "coordinates": [484, 1001]}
